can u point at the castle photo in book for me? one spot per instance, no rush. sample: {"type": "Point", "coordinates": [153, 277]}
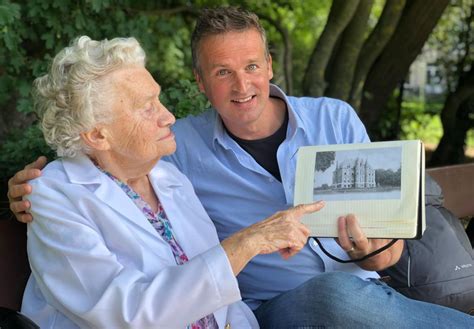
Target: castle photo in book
{"type": "Point", "coordinates": [362, 174]}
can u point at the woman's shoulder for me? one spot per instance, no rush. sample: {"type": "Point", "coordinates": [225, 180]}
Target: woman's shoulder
{"type": "Point", "coordinates": [54, 170]}
{"type": "Point", "coordinates": [168, 171]}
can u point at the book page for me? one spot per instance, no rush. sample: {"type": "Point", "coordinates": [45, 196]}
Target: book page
{"type": "Point", "coordinates": [378, 182]}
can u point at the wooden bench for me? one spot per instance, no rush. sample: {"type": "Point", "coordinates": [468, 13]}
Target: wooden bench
{"type": "Point", "coordinates": [14, 267]}
{"type": "Point", "coordinates": [457, 183]}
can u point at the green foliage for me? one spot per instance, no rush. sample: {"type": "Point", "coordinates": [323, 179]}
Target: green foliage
{"type": "Point", "coordinates": [470, 138]}
{"type": "Point", "coordinates": [450, 44]}
{"type": "Point", "coordinates": [184, 98]}
{"type": "Point", "coordinates": [304, 21]}
{"type": "Point", "coordinates": [421, 121]}
{"type": "Point", "coordinates": [22, 147]}
{"type": "Point", "coordinates": [32, 32]}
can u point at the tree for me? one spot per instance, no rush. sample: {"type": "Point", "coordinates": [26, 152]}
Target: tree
{"type": "Point", "coordinates": [388, 177]}
{"type": "Point", "coordinates": [314, 83]}
{"type": "Point", "coordinates": [382, 59]}
{"type": "Point", "coordinates": [418, 19]}
{"type": "Point", "coordinates": [457, 118]}
{"type": "Point", "coordinates": [324, 160]}
{"type": "Point", "coordinates": [357, 50]}
{"type": "Point", "coordinates": [454, 44]}
{"type": "Point", "coordinates": [341, 75]}
{"type": "Point", "coordinates": [374, 45]}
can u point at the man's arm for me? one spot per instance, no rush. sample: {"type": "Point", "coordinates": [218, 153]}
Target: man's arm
{"type": "Point", "coordinates": [18, 188]}
{"type": "Point", "coordinates": [355, 132]}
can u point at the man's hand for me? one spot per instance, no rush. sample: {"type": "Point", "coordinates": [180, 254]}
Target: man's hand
{"type": "Point", "coordinates": [18, 187]}
{"type": "Point", "coordinates": [359, 245]}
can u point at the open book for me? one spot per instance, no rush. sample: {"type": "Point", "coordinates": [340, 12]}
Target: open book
{"type": "Point", "coordinates": [382, 183]}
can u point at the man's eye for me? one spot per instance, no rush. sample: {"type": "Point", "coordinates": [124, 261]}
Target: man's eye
{"type": "Point", "coordinates": [222, 72]}
{"type": "Point", "coordinates": [252, 67]}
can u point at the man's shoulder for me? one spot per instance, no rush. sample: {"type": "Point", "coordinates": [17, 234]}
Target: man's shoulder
{"type": "Point", "coordinates": [205, 118]}
{"type": "Point", "coordinates": [194, 135]}
{"type": "Point", "coordinates": [321, 109]}
{"type": "Point", "coordinates": [306, 103]}
{"type": "Point", "coordinates": [332, 118]}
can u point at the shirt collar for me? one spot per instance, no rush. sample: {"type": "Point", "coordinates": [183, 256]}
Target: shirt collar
{"type": "Point", "coordinates": [294, 122]}
{"type": "Point", "coordinates": [220, 135]}
{"type": "Point", "coordinates": [81, 170]}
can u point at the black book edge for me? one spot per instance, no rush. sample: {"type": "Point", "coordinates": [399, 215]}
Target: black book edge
{"type": "Point", "coordinates": [419, 227]}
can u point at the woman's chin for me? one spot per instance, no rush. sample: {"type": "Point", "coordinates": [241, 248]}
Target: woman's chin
{"type": "Point", "coordinates": [170, 149]}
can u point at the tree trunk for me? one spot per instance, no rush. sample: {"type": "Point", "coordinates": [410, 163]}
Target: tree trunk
{"type": "Point", "coordinates": [342, 72]}
{"type": "Point", "coordinates": [395, 126]}
{"type": "Point", "coordinates": [374, 45]}
{"type": "Point", "coordinates": [450, 149]}
{"type": "Point", "coordinates": [340, 15]}
{"type": "Point", "coordinates": [457, 118]}
{"type": "Point", "coordinates": [287, 52]}
{"type": "Point", "coordinates": [388, 71]}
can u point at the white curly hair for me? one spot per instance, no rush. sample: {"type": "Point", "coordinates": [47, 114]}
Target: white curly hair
{"type": "Point", "coordinates": [72, 97]}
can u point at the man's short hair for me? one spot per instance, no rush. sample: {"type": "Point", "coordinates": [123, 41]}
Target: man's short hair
{"type": "Point", "coordinates": [222, 20]}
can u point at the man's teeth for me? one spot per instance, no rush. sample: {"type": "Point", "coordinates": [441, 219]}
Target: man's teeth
{"type": "Point", "coordinates": [243, 100]}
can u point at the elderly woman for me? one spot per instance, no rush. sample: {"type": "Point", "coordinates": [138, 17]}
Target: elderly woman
{"type": "Point", "coordinates": [120, 239]}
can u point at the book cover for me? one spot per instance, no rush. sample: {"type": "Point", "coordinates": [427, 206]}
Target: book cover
{"type": "Point", "coordinates": [382, 183]}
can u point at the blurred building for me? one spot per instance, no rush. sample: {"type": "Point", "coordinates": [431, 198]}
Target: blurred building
{"type": "Point", "coordinates": [354, 173]}
{"type": "Point", "coordinates": [425, 78]}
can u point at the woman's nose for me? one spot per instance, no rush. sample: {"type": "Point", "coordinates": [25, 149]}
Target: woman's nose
{"type": "Point", "coordinates": [166, 118]}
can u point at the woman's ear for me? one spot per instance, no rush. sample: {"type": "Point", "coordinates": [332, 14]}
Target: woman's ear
{"type": "Point", "coordinates": [96, 139]}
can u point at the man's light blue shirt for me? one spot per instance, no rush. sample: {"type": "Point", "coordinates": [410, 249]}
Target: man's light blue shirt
{"type": "Point", "coordinates": [237, 192]}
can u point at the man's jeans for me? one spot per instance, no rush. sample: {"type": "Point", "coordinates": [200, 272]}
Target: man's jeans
{"type": "Point", "coordinates": [341, 300]}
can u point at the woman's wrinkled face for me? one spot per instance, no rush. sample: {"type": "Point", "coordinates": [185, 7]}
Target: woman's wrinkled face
{"type": "Point", "coordinates": [140, 130]}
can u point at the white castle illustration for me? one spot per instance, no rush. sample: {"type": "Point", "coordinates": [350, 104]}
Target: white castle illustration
{"type": "Point", "coordinates": [353, 173]}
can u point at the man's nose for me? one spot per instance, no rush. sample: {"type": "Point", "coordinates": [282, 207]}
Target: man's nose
{"type": "Point", "coordinates": [241, 82]}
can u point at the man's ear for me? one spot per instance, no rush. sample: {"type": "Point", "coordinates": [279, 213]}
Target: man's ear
{"type": "Point", "coordinates": [96, 139]}
{"type": "Point", "coordinates": [270, 68]}
{"type": "Point", "coordinates": [199, 80]}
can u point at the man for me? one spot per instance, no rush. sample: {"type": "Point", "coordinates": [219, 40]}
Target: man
{"type": "Point", "coordinates": [241, 161]}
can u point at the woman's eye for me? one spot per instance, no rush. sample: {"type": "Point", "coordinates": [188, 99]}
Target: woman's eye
{"type": "Point", "coordinates": [149, 109]}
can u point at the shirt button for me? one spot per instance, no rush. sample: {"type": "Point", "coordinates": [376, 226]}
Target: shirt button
{"type": "Point", "coordinates": [271, 180]}
{"type": "Point", "coordinates": [227, 326]}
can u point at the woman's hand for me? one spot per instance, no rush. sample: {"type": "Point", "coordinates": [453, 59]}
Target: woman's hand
{"type": "Point", "coordinates": [282, 232]}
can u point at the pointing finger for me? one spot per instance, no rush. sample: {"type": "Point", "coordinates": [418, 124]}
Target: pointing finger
{"type": "Point", "coordinates": [308, 208]}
